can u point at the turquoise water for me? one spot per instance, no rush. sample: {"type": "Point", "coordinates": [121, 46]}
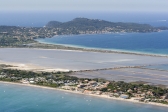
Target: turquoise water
{"type": "Point", "coordinates": [15, 98]}
{"type": "Point", "coordinates": [151, 43]}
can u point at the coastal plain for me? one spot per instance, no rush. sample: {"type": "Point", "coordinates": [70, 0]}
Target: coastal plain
{"type": "Point", "coordinates": [110, 66]}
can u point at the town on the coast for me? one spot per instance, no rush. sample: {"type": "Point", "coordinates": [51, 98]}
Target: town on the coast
{"type": "Point", "coordinates": [99, 87]}
{"type": "Point", "coordinates": [16, 36]}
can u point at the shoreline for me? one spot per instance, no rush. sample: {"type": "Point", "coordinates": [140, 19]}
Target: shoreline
{"type": "Point", "coordinates": [88, 49]}
{"type": "Point", "coordinates": [92, 49]}
{"type": "Point", "coordinates": [94, 95]}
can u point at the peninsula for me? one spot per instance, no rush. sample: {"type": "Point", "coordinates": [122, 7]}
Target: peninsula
{"type": "Point", "coordinates": [19, 36]}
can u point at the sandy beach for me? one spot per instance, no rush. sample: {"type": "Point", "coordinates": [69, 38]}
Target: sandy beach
{"type": "Point", "coordinates": [31, 67]}
{"type": "Point", "coordinates": [100, 96]}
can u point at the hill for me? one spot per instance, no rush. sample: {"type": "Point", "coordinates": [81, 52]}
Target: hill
{"type": "Point", "coordinates": [84, 24]}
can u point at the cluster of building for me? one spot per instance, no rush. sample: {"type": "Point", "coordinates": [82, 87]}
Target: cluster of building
{"type": "Point", "coordinates": [94, 87]}
{"type": "Point", "coordinates": [31, 33]}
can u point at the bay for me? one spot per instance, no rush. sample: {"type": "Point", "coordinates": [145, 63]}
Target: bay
{"type": "Point", "coordinates": [150, 43]}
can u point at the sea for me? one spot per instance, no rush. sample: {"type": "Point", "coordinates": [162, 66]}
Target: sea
{"type": "Point", "coordinates": [18, 98]}
{"type": "Point", "coordinates": [144, 43]}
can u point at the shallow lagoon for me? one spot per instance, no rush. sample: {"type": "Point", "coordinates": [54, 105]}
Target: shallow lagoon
{"type": "Point", "coordinates": [159, 67]}
{"type": "Point", "coordinates": [75, 60]}
{"type": "Point", "coordinates": [78, 60]}
{"type": "Point", "coordinates": [128, 75]}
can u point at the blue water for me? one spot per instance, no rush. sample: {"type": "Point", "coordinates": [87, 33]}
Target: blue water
{"type": "Point", "coordinates": [151, 43]}
{"type": "Point", "coordinates": [14, 98]}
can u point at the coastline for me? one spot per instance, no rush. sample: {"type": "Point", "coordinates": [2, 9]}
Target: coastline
{"type": "Point", "coordinates": [44, 46]}
{"type": "Point", "coordinates": [97, 49]}
{"type": "Point", "coordinates": [88, 49]}
{"type": "Point", "coordinates": [94, 95]}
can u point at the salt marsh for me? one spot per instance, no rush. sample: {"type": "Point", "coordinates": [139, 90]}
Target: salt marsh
{"type": "Point", "coordinates": [60, 60]}
{"type": "Point", "coordinates": [74, 60]}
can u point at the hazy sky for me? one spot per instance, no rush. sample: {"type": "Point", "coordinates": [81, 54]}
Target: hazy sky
{"type": "Point", "coordinates": [39, 12]}
{"type": "Point", "coordinates": [85, 5]}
